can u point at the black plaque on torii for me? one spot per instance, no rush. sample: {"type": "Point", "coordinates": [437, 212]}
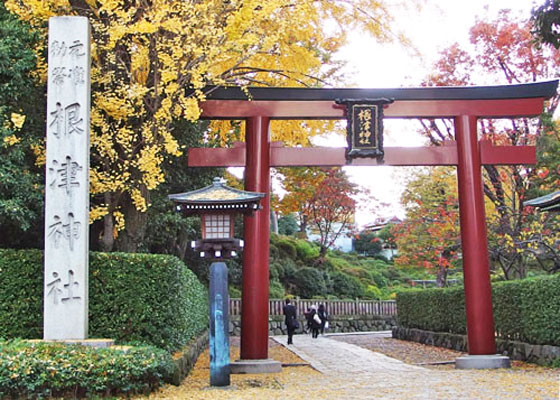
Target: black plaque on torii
{"type": "Point", "coordinates": [364, 132]}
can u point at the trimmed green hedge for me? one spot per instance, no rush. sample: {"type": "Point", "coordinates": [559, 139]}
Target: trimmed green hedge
{"type": "Point", "coordinates": [526, 310]}
{"type": "Point", "coordinates": [146, 298]}
{"type": "Point", "coordinates": [41, 370]}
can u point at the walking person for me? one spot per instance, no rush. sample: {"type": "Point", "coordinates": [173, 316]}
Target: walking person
{"type": "Point", "coordinates": [315, 321]}
{"type": "Point", "coordinates": [291, 319]}
{"type": "Point", "coordinates": [322, 311]}
{"type": "Point", "coordinates": [307, 315]}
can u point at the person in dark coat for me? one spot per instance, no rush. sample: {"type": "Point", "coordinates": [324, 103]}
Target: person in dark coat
{"type": "Point", "coordinates": [315, 322]}
{"type": "Point", "coordinates": [307, 315]}
{"type": "Point", "coordinates": [322, 311]}
{"type": "Point", "coordinates": [291, 319]}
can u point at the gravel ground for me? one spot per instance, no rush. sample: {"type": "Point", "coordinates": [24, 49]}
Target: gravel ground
{"type": "Point", "coordinates": [408, 352]}
{"type": "Point", "coordinates": [524, 381]}
{"type": "Point", "coordinates": [424, 355]}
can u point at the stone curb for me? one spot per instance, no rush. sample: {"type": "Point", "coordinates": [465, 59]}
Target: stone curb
{"type": "Point", "coordinates": [186, 360]}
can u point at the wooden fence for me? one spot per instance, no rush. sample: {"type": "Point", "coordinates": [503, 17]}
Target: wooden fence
{"type": "Point", "coordinates": [334, 307]}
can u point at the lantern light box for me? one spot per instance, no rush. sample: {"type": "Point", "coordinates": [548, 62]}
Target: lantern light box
{"type": "Point", "coordinates": [217, 206]}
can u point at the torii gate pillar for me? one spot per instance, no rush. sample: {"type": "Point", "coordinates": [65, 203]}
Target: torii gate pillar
{"type": "Point", "coordinates": [254, 315]}
{"type": "Point", "coordinates": [474, 243]}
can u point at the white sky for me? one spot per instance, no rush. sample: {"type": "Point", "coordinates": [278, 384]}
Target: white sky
{"type": "Point", "coordinates": [437, 25]}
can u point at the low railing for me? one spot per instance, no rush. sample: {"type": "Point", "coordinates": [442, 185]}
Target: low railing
{"type": "Point", "coordinates": [334, 307]}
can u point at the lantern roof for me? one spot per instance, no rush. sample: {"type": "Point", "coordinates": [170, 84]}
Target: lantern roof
{"type": "Point", "coordinates": [549, 202]}
{"type": "Point", "coordinates": [218, 197]}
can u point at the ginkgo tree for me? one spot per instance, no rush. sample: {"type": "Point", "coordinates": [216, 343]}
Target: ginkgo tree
{"type": "Point", "coordinates": [146, 54]}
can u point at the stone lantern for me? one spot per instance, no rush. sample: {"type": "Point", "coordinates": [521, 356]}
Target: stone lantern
{"type": "Point", "coordinates": [217, 205]}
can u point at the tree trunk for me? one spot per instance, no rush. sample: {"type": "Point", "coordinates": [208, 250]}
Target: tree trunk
{"type": "Point", "coordinates": [107, 240]}
{"type": "Point", "coordinates": [130, 239]}
{"type": "Point", "coordinates": [441, 277]}
{"type": "Point", "coordinates": [303, 224]}
{"type": "Point", "coordinates": [273, 222]}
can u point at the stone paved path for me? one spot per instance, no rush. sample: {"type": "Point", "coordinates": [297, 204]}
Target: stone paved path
{"type": "Point", "coordinates": [356, 373]}
{"type": "Point", "coordinates": [332, 357]}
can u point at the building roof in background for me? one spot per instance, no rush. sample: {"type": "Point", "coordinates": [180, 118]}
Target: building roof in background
{"type": "Point", "coordinates": [549, 202]}
{"type": "Point", "coordinates": [380, 223]}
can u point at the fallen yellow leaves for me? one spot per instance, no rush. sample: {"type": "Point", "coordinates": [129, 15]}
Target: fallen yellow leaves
{"type": "Point", "coordinates": [524, 381]}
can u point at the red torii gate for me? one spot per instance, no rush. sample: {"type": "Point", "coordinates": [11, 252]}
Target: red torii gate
{"type": "Point", "coordinates": [463, 104]}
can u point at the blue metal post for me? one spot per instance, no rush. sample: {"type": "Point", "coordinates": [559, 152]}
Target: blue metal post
{"type": "Point", "coordinates": [219, 324]}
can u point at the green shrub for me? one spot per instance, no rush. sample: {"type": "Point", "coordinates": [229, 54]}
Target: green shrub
{"type": "Point", "coordinates": [373, 293]}
{"type": "Point", "coordinates": [506, 300]}
{"type": "Point", "coordinates": [287, 269]}
{"type": "Point", "coordinates": [306, 251]}
{"type": "Point", "coordinates": [346, 286]}
{"type": "Point", "coordinates": [275, 290]}
{"type": "Point", "coordinates": [440, 310]}
{"type": "Point", "coordinates": [275, 270]}
{"type": "Point", "coordinates": [21, 294]}
{"type": "Point", "coordinates": [527, 310]}
{"type": "Point", "coordinates": [151, 299]}
{"type": "Point", "coordinates": [39, 370]}
{"type": "Point", "coordinates": [540, 310]}
{"type": "Point", "coordinates": [379, 279]}
{"type": "Point", "coordinates": [286, 248]}
{"type": "Point", "coordinates": [309, 282]}
{"type": "Point", "coordinates": [273, 252]}
{"type": "Point", "coordinates": [234, 293]}
{"type": "Point", "coordinates": [287, 225]}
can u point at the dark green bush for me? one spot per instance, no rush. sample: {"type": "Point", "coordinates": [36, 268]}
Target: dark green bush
{"type": "Point", "coordinates": [286, 248]}
{"type": "Point", "coordinates": [309, 283]}
{"type": "Point", "coordinates": [378, 277]}
{"type": "Point", "coordinates": [346, 286]}
{"type": "Point", "coordinates": [527, 310]}
{"type": "Point", "coordinates": [152, 299]}
{"type": "Point", "coordinates": [540, 310]}
{"type": "Point", "coordinates": [275, 270]}
{"type": "Point", "coordinates": [46, 369]}
{"type": "Point", "coordinates": [273, 252]}
{"type": "Point", "coordinates": [287, 225]}
{"type": "Point", "coordinates": [21, 294]}
{"type": "Point", "coordinates": [506, 303]}
{"type": "Point", "coordinates": [276, 290]}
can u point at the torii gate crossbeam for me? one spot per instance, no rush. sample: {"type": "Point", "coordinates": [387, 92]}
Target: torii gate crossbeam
{"type": "Point", "coordinates": [463, 104]}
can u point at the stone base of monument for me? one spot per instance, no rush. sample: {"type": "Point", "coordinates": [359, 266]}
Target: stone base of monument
{"type": "Point", "coordinates": [491, 361]}
{"type": "Point", "coordinates": [266, 366]}
{"type": "Point", "coordinates": [97, 343]}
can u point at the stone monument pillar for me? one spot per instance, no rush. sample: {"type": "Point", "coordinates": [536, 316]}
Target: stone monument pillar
{"type": "Point", "coordinates": [67, 180]}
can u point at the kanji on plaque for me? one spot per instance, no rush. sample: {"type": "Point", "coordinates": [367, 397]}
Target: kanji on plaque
{"type": "Point", "coordinates": [364, 127]}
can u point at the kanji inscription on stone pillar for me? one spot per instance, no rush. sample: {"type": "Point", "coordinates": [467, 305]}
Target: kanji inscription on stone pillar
{"type": "Point", "coordinates": [67, 180]}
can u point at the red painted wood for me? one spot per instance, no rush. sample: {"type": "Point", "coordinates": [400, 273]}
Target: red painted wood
{"type": "Point", "coordinates": [330, 156]}
{"type": "Point", "coordinates": [254, 316]}
{"type": "Point", "coordinates": [507, 155]}
{"type": "Point", "coordinates": [476, 267]}
{"type": "Point", "coordinates": [240, 109]}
